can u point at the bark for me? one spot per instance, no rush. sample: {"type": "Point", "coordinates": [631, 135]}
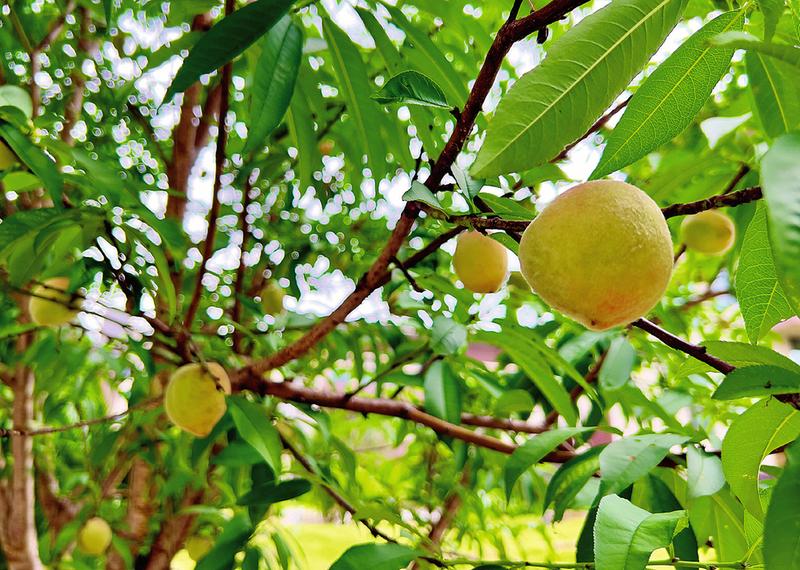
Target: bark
{"type": "Point", "coordinates": [58, 510]}
{"type": "Point", "coordinates": [19, 539]}
{"type": "Point", "coordinates": [141, 508]}
{"type": "Point", "coordinates": [174, 532]}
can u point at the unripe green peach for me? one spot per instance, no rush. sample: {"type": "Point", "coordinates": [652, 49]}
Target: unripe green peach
{"type": "Point", "coordinates": [198, 546]}
{"type": "Point", "coordinates": [195, 397]}
{"type": "Point", "coordinates": [95, 537]}
{"type": "Point", "coordinates": [7, 156]}
{"type": "Point", "coordinates": [481, 263]}
{"type": "Point", "coordinates": [51, 313]}
{"type": "Point", "coordinates": [710, 232]}
{"type": "Point", "coordinates": [272, 299]}
{"type": "Point", "coordinates": [600, 253]}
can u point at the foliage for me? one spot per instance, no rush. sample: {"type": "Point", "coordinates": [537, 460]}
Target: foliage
{"type": "Point", "coordinates": [175, 161]}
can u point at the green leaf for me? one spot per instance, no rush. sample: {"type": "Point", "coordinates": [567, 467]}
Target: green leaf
{"type": "Point", "coordinates": [524, 353]}
{"type": "Point", "coordinates": [513, 402]}
{"type": "Point", "coordinates": [412, 88]}
{"type": "Point", "coordinates": [376, 557]}
{"type": "Point", "coordinates": [780, 177]}
{"type": "Point", "coordinates": [585, 70]}
{"type": "Point", "coordinates": [705, 475]}
{"type": "Point", "coordinates": [533, 451]}
{"type": "Point", "coordinates": [782, 526]}
{"type": "Point", "coordinates": [39, 162]}
{"type": "Point", "coordinates": [20, 181]}
{"type": "Point", "coordinates": [270, 492]}
{"type": "Point", "coordinates": [273, 81]}
{"type": "Point", "coordinates": [108, 12]}
{"type": "Point", "coordinates": [743, 40]}
{"type": "Point", "coordinates": [753, 381]}
{"type": "Point", "coordinates": [627, 535]}
{"type": "Point", "coordinates": [443, 393]}
{"type": "Point", "coordinates": [304, 138]}
{"type": "Point", "coordinates": [625, 461]}
{"type": "Point", "coordinates": [231, 541]}
{"type": "Point", "coordinates": [256, 429]}
{"type": "Point", "coordinates": [506, 208]}
{"type": "Point", "coordinates": [761, 297]}
{"type": "Point", "coordinates": [447, 336]}
{"type": "Point", "coordinates": [420, 193]}
{"type": "Point", "coordinates": [227, 39]}
{"type": "Point", "coordinates": [772, 11]}
{"type": "Point", "coordinates": [753, 435]}
{"type": "Point", "coordinates": [670, 98]}
{"type": "Point", "coordinates": [384, 45]}
{"type": "Point", "coordinates": [354, 85]}
{"type": "Point", "coordinates": [466, 183]}
{"type": "Point", "coordinates": [15, 96]}
{"type": "Point", "coordinates": [772, 84]}
{"type": "Point", "coordinates": [436, 64]}
{"type": "Point", "coordinates": [617, 365]}
{"type": "Point", "coordinates": [570, 478]}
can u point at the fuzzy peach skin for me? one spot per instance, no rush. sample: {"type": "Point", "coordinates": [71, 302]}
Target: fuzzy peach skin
{"type": "Point", "coordinates": [51, 313]}
{"type": "Point", "coordinates": [601, 253]}
{"type": "Point", "coordinates": [709, 232]}
{"type": "Point", "coordinates": [95, 537]}
{"type": "Point", "coordinates": [481, 263]}
{"type": "Point", "coordinates": [193, 401]}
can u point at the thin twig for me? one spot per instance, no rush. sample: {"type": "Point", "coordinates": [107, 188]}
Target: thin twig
{"type": "Point", "coordinates": [695, 351]}
{"type": "Point", "coordinates": [743, 171]}
{"type": "Point", "coordinates": [240, 269]}
{"type": "Point", "coordinates": [149, 404]}
{"type": "Point", "coordinates": [493, 222]}
{"type": "Point", "coordinates": [599, 124]}
{"type": "Point", "coordinates": [721, 201]}
{"type": "Point", "coordinates": [339, 499]}
{"type": "Point", "coordinates": [55, 28]}
{"type": "Point", "coordinates": [213, 215]}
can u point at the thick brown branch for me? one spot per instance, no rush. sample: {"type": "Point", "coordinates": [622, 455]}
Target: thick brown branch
{"type": "Point", "coordinates": [511, 32]}
{"type": "Point", "coordinates": [371, 280]}
{"type": "Point", "coordinates": [295, 393]}
{"type": "Point", "coordinates": [502, 424]}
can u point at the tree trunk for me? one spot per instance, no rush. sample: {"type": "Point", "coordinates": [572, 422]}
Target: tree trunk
{"type": "Point", "coordinates": [19, 539]}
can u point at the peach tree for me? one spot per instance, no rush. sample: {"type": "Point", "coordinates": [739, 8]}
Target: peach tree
{"type": "Point", "coordinates": [262, 257]}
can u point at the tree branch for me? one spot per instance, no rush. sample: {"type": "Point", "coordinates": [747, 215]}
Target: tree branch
{"type": "Point", "coordinates": [290, 391]}
{"type": "Point", "coordinates": [492, 222]}
{"type": "Point", "coordinates": [55, 28]}
{"type": "Point", "coordinates": [377, 274]}
{"type": "Point", "coordinates": [238, 289]}
{"type": "Point", "coordinates": [695, 351]}
{"type": "Point", "coordinates": [338, 499]}
{"type": "Point", "coordinates": [721, 201]}
{"type": "Point", "coordinates": [149, 404]}
{"type": "Point", "coordinates": [599, 124]}
{"type": "Point", "coordinates": [213, 215]}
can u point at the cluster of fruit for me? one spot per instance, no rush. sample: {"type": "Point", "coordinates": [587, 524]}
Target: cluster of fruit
{"type": "Point", "coordinates": [600, 253]}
